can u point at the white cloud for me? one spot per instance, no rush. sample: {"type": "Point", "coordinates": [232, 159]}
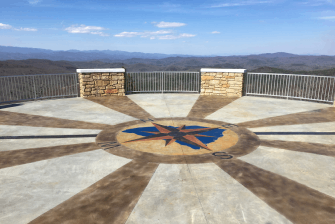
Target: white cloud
{"type": "Point", "coordinates": [168, 24]}
{"type": "Point", "coordinates": [155, 35]}
{"type": "Point", "coordinates": [9, 27]}
{"type": "Point", "coordinates": [33, 2]}
{"type": "Point", "coordinates": [242, 3]}
{"type": "Point", "coordinates": [143, 34]}
{"type": "Point", "coordinates": [215, 32]}
{"type": "Point", "coordinates": [25, 29]}
{"type": "Point", "coordinates": [327, 17]}
{"type": "Point", "coordinates": [173, 37]}
{"type": "Point", "coordinates": [5, 26]}
{"type": "Point", "coordinates": [86, 29]}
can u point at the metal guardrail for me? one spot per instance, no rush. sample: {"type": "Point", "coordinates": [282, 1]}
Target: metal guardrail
{"type": "Point", "coordinates": [162, 82]}
{"type": "Point", "coordinates": [304, 87]}
{"type": "Point", "coordinates": [29, 87]}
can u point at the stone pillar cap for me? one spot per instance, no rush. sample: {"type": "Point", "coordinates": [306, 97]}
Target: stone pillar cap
{"type": "Point", "coordinates": [223, 70]}
{"type": "Point", "coordinates": [93, 70]}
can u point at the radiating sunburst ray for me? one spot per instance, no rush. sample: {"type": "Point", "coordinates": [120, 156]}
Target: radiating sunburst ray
{"type": "Point", "coordinates": [179, 105]}
{"type": "Point", "coordinates": [171, 105]}
{"type": "Point", "coordinates": [113, 197]}
{"type": "Point", "coordinates": [13, 118]}
{"type": "Point", "coordinates": [123, 105]}
{"type": "Point", "coordinates": [225, 200]}
{"type": "Point", "coordinates": [24, 137]}
{"type": "Point", "coordinates": [206, 105]}
{"type": "Point", "coordinates": [297, 202]}
{"type": "Point", "coordinates": [29, 190]}
{"type": "Point", "coordinates": [321, 149]}
{"type": "Point", "coordinates": [78, 109]}
{"type": "Point", "coordinates": [254, 108]}
{"type": "Point", "coordinates": [154, 104]}
{"type": "Point", "coordinates": [312, 170]}
{"type": "Point", "coordinates": [23, 156]}
{"type": "Point", "coordinates": [323, 133]}
{"type": "Point", "coordinates": [308, 117]}
{"type": "Point", "coordinates": [170, 197]}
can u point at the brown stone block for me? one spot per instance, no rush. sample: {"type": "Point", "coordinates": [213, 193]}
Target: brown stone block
{"type": "Point", "coordinates": [121, 90]}
{"type": "Point", "coordinates": [111, 91]}
{"type": "Point", "coordinates": [121, 81]}
{"type": "Point", "coordinates": [88, 90]}
{"type": "Point", "coordinates": [105, 74]}
{"type": "Point", "coordinates": [115, 78]}
{"type": "Point", "coordinates": [203, 78]}
{"type": "Point", "coordinates": [89, 86]}
{"type": "Point", "coordinates": [105, 77]}
{"type": "Point", "coordinates": [110, 87]}
{"type": "Point", "coordinates": [101, 91]}
{"type": "Point", "coordinates": [98, 83]}
{"type": "Point", "coordinates": [87, 79]}
{"type": "Point", "coordinates": [96, 77]}
{"type": "Point", "coordinates": [86, 94]}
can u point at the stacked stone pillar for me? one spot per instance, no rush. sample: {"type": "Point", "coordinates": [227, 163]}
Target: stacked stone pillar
{"type": "Point", "coordinates": [224, 82]}
{"type": "Point", "coordinates": [101, 82]}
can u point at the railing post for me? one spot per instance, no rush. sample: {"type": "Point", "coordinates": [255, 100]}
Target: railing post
{"type": "Point", "coordinates": [34, 87]}
{"type": "Point", "coordinates": [162, 82]}
{"type": "Point", "coordinates": [289, 82]}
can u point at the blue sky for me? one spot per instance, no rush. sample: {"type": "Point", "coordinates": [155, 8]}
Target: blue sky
{"type": "Point", "coordinates": [214, 27]}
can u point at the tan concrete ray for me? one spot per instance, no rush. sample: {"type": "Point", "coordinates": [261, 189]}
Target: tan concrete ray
{"type": "Point", "coordinates": [206, 105]}
{"type": "Point", "coordinates": [225, 200]}
{"type": "Point", "coordinates": [19, 157]}
{"type": "Point", "coordinates": [29, 190]}
{"type": "Point", "coordinates": [110, 200]}
{"type": "Point", "coordinates": [15, 144]}
{"type": "Point", "coordinates": [170, 197]}
{"type": "Point", "coordinates": [179, 104]}
{"type": "Point", "coordinates": [308, 117]}
{"type": "Point", "coordinates": [122, 104]}
{"type": "Point", "coordinates": [312, 170]}
{"type": "Point", "coordinates": [250, 108]}
{"type": "Point", "coordinates": [78, 109]}
{"type": "Point", "coordinates": [13, 118]}
{"type": "Point", "coordinates": [310, 127]}
{"type": "Point", "coordinates": [16, 130]}
{"type": "Point", "coordinates": [321, 149]}
{"type": "Point", "coordinates": [298, 203]}
{"type": "Point", "coordinates": [154, 104]}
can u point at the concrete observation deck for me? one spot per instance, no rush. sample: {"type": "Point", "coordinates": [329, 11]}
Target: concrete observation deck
{"type": "Point", "coordinates": [167, 158]}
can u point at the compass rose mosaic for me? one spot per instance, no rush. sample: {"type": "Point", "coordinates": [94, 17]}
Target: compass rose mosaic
{"type": "Point", "coordinates": [171, 141]}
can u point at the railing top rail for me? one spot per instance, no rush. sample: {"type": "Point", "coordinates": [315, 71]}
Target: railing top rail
{"type": "Point", "coordinates": [288, 74]}
{"type": "Point", "coordinates": [38, 75]}
{"type": "Point", "coordinates": [165, 72]}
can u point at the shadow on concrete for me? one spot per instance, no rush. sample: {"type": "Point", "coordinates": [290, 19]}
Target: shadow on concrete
{"type": "Point", "coordinates": [10, 105]}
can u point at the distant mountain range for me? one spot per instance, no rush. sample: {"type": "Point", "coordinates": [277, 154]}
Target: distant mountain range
{"type": "Point", "coordinates": [22, 53]}
{"type": "Point", "coordinates": [20, 61]}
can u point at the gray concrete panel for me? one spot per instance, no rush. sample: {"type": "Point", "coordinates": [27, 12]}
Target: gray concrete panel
{"type": "Point", "coordinates": [27, 191]}
{"type": "Point", "coordinates": [312, 170]}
